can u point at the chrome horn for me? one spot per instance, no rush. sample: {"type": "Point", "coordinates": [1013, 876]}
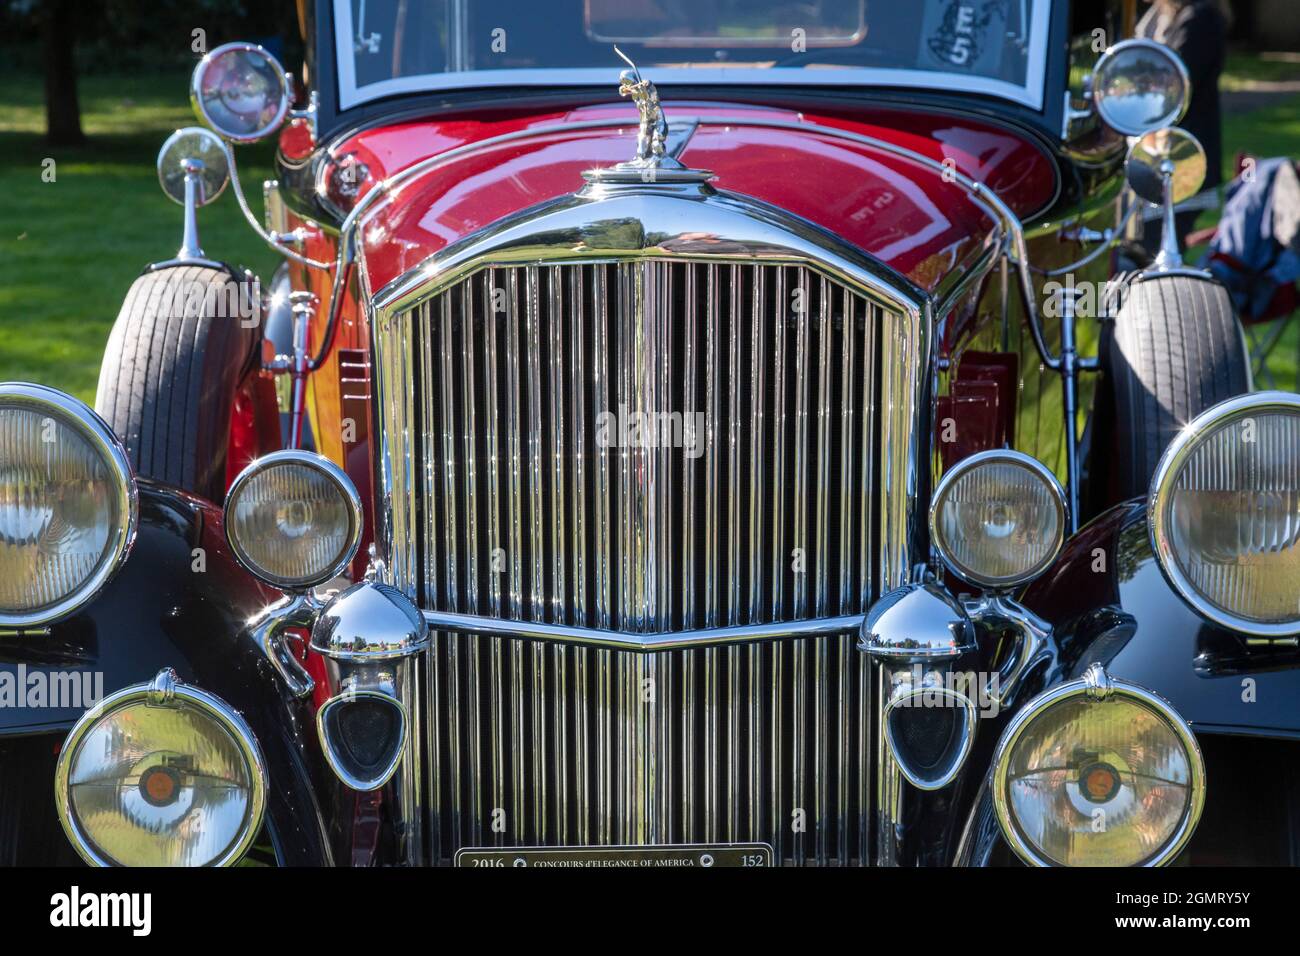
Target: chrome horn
{"type": "Point", "coordinates": [368, 635]}
{"type": "Point", "coordinates": [916, 633]}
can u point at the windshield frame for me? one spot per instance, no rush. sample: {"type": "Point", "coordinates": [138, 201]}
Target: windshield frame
{"type": "Point", "coordinates": [1031, 96]}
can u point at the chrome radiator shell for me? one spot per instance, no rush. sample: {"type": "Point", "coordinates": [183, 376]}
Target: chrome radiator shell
{"type": "Point", "coordinates": [569, 742]}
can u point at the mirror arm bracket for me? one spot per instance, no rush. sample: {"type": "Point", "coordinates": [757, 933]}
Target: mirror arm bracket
{"type": "Point", "coordinates": [190, 249]}
{"type": "Point", "coordinates": [275, 241]}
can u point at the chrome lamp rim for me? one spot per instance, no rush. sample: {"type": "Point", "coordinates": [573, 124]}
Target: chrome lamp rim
{"type": "Point", "coordinates": [196, 100]}
{"type": "Point", "coordinates": [164, 690]}
{"type": "Point", "coordinates": [1160, 48]}
{"type": "Point", "coordinates": [77, 414]}
{"type": "Point", "coordinates": [1039, 470]}
{"type": "Point", "coordinates": [1103, 688]}
{"type": "Point", "coordinates": [1167, 471]}
{"type": "Point", "coordinates": [341, 481]}
{"type": "Point", "coordinates": [351, 780]}
{"type": "Point", "coordinates": [958, 760]}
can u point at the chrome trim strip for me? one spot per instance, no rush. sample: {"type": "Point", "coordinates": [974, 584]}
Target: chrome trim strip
{"type": "Point", "coordinates": [638, 641]}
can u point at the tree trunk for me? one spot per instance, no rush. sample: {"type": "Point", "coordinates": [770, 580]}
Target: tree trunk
{"type": "Point", "coordinates": [62, 111]}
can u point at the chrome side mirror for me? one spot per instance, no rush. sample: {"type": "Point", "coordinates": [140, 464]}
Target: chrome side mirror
{"type": "Point", "coordinates": [1140, 86]}
{"type": "Point", "coordinates": [1166, 167]}
{"type": "Point", "coordinates": [240, 91]}
{"type": "Point", "coordinates": [193, 170]}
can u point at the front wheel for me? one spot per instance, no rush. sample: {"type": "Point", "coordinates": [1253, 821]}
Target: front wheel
{"type": "Point", "coordinates": [184, 340]}
{"type": "Point", "coordinates": [1177, 350]}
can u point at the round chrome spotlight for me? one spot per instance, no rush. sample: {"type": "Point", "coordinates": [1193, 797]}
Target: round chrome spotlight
{"type": "Point", "coordinates": [240, 91]}
{"type": "Point", "coordinates": [68, 505]}
{"type": "Point", "coordinates": [998, 518]}
{"type": "Point", "coordinates": [1225, 514]}
{"type": "Point", "coordinates": [161, 774]}
{"type": "Point", "coordinates": [1098, 772]}
{"type": "Point", "coordinates": [1139, 86]}
{"type": "Point", "coordinates": [293, 519]}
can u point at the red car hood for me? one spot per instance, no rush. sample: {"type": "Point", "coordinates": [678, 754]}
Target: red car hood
{"type": "Point", "coordinates": [903, 214]}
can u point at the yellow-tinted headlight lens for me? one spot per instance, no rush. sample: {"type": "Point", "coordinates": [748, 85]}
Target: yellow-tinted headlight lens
{"type": "Point", "coordinates": [178, 782]}
{"type": "Point", "coordinates": [1225, 513]}
{"type": "Point", "coordinates": [1081, 781]}
{"type": "Point", "coordinates": [998, 518]}
{"type": "Point", "coordinates": [67, 504]}
{"type": "Point", "coordinates": [293, 519]}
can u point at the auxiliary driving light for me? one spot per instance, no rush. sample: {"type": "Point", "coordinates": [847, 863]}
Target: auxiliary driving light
{"type": "Point", "coordinates": [1098, 772]}
{"type": "Point", "coordinates": [293, 519]}
{"type": "Point", "coordinates": [998, 518]}
{"type": "Point", "coordinates": [161, 774]}
{"type": "Point", "coordinates": [1225, 514]}
{"type": "Point", "coordinates": [68, 505]}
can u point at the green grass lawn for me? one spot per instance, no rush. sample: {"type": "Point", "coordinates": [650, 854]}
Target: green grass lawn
{"type": "Point", "coordinates": [69, 249]}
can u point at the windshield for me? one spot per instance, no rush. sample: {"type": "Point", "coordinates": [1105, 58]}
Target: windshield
{"type": "Point", "coordinates": [388, 47]}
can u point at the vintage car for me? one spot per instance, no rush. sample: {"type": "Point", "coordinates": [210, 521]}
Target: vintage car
{"type": "Point", "coordinates": [691, 434]}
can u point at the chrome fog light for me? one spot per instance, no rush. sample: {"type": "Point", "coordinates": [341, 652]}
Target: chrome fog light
{"type": "Point", "coordinates": [68, 504]}
{"type": "Point", "coordinates": [161, 774]}
{"type": "Point", "coordinates": [1098, 772]}
{"type": "Point", "coordinates": [998, 518]}
{"type": "Point", "coordinates": [293, 519]}
{"type": "Point", "coordinates": [1225, 514]}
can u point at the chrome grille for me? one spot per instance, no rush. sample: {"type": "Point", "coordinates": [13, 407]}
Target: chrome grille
{"type": "Point", "coordinates": [525, 514]}
{"type": "Point", "coordinates": [578, 745]}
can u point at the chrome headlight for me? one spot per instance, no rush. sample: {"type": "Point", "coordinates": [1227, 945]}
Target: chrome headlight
{"type": "Point", "coordinates": [998, 518]}
{"type": "Point", "coordinates": [161, 774]}
{"type": "Point", "coordinates": [1225, 514]}
{"type": "Point", "coordinates": [293, 519]}
{"type": "Point", "coordinates": [68, 506]}
{"type": "Point", "coordinates": [1098, 772]}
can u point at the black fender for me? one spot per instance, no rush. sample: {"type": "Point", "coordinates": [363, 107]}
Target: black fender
{"type": "Point", "coordinates": [180, 601]}
{"type": "Point", "coordinates": [1109, 602]}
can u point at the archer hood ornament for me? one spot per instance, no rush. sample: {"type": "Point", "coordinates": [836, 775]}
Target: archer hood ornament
{"type": "Point", "coordinates": [656, 141]}
{"type": "Point", "coordinates": [654, 128]}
